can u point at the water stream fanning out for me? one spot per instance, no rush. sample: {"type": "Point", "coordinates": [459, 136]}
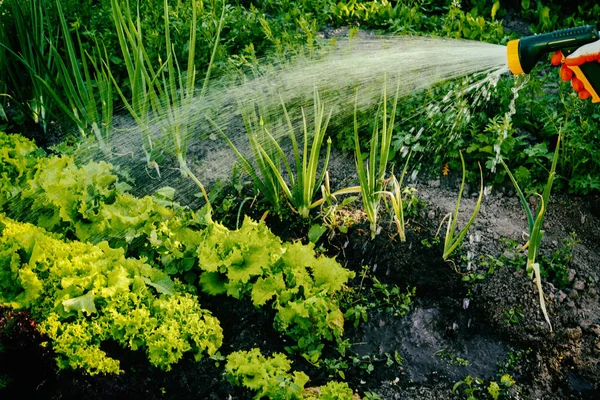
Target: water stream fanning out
{"type": "Point", "coordinates": [406, 64]}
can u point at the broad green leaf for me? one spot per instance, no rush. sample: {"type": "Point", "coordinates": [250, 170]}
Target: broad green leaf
{"type": "Point", "coordinates": [83, 303]}
{"type": "Point", "coordinates": [315, 232]}
{"type": "Point", "coordinates": [163, 286]}
{"type": "Point", "coordinates": [266, 288]}
{"type": "Point", "coordinates": [213, 283]}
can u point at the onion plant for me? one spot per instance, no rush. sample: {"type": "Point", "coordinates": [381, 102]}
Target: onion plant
{"type": "Point", "coordinates": [164, 92]}
{"type": "Point", "coordinates": [306, 182]}
{"type": "Point", "coordinates": [257, 167]}
{"type": "Point", "coordinates": [535, 226]}
{"type": "Point", "coordinates": [395, 196]}
{"type": "Point", "coordinates": [372, 175]}
{"type": "Point", "coordinates": [452, 241]}
{"type": "Point", "coordinates": [270, 166]}
{"type": "Point", "coordinates": [174, 95]}
{"type": "Point", "coordinates": [141, 81]}
{"type": "Point", "coordinates": [27, 60]}
{"type": "Point", "coordinates": [83, 93]}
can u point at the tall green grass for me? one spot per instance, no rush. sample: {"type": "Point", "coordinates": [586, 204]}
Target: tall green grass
{"type": "Point", "coordinates": [27, 63]}
{"type": "Point", "coordinates": [86, 96]}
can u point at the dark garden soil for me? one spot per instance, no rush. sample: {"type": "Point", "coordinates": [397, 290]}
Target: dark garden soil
{"type": "Point", "coordinates": [454, 328]}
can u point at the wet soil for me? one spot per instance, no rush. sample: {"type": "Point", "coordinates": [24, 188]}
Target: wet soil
{"type": "Point", "coordinates": [454, 328]}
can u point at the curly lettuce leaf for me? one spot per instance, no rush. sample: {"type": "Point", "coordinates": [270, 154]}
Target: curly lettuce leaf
{"type": "Point", "coordinates": [81, 304]}
{"type": "Point", "coordinates": [93, 293]}
{"type": "Point", "coordinates": [266, 288]}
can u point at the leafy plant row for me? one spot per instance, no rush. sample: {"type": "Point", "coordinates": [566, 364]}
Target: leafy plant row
{"type": "Point", "coordinates": [271, 378]}
{"type": "Point", "coordinates": [470, 19]}
{"type": "Point", "coordinates": [90, 204]}
{"type": "Point", "coordinates": [82, 295]}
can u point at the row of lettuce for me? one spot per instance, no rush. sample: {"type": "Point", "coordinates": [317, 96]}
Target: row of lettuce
{"type": "Point", "coordinates": [93, 263]}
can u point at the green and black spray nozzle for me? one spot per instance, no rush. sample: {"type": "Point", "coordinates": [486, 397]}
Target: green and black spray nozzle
{"type": "Point", "coordinates": [524, 53]}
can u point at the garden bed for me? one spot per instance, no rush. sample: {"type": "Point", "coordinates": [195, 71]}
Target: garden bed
{"type": "Point", "coordinates": [475, 315]}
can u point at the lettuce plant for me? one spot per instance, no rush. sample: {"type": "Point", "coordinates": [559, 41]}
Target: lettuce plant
{"type": "Point", "coordinates": [18, 157]}
{"type": "Point", "coordinates": [90, 203]}
{"type": "Point", "coordinates": [82, 295]}
{"type": "Point", "coordinates": [267, 377]}
{"type": "Point", "coordinates": [301, 287]}
{"type": "Point", "coordinates": [270, 377]}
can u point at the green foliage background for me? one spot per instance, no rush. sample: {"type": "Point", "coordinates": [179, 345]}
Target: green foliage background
{"type": "Point", "coordinates": [277, 30]}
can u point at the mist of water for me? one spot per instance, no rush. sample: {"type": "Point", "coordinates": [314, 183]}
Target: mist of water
{"type": "Point", "coordinates": [350, 71]}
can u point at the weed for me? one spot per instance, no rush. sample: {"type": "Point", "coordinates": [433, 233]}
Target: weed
{"type": "Point", "coordinates": [356, 314]}
{"type": "Point", "coordinates": [380, 296]}
{"type": "Point", "coordinates": [390, 298]}
{"type": "Point", "coordinates": [371, 396]}
{"type": "Point", "coordinates": [513, 315]}
{"type": "Point", "coordinates": [336, 366]}
{"type": "Point", "coordinates": [452, 359]}
{"type": "Point", "coordinates": [431, 243]}
{"type": "Point", "coordinates": [473, 277]}
{"type": "Point", "coordinates": [472, 386]}
{"type": "Point", "coordinates": [393, 359]}
{"type": "Point", "coordinates": [512, 360]}
{"type": "Point", "coordinates": [5, 380]}
{"type": "Point", "coordinates": [554, 267]}
{"type": "Point", "coordinates": [496, 389]}
{"type": "Point", "coordinates": [365, 363]}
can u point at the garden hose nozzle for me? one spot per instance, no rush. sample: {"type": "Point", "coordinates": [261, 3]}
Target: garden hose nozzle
{"type": "Point", "coordinates": [522, 54]}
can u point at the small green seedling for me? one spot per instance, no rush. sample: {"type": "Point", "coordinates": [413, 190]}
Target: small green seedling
{"type": "Point", "coordinates": [451, 242]}
{"type": "Point", "coordinates": [472, 386]}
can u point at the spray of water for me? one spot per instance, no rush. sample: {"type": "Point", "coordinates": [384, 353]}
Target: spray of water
{"type": "Point", "coordinates": [512, 109]}
{"type": "Point", "coordinates": [410, 64]}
